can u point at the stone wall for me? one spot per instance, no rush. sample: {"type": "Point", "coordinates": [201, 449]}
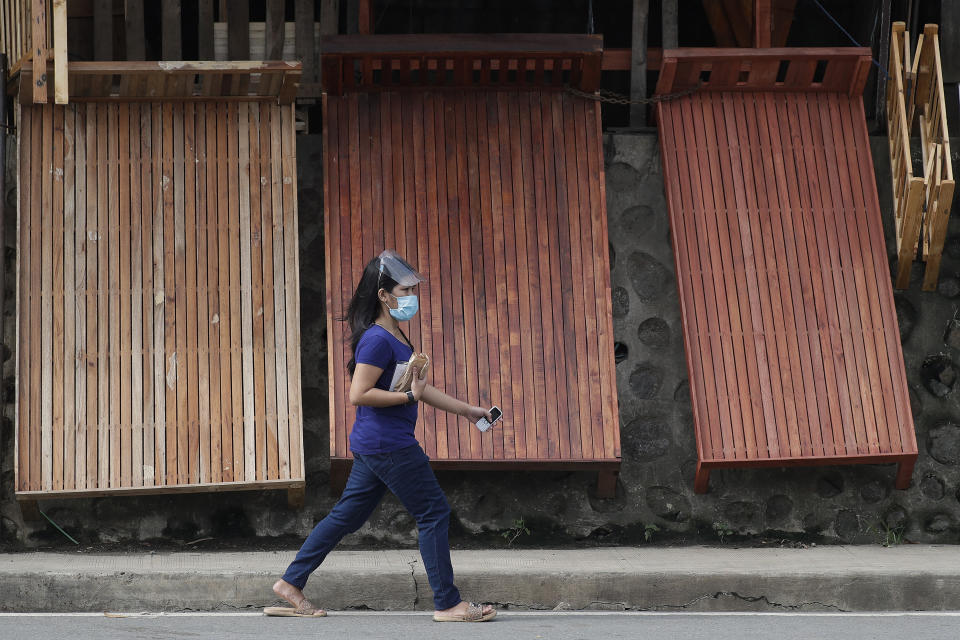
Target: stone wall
{"type": "Point", "coordinates": [655, 496]}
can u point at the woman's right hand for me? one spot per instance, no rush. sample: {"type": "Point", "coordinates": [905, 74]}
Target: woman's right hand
{"type": "Point", "coordinates": [419, 383]}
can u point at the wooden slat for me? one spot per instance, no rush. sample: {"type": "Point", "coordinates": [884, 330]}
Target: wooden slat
{"type": "Point", "coordinates": [282, 317]}
{"type": "Point", "coordinates": [292, 285]}
{"type": "Point", "coordinates": [249, 392]}
{"type": "Point", "coordinates": [60, 78]}
{"type": "Point", "coordinates": [56, 297]}
{"type": "Point", "coordinates": [134, 298]}
{"type": "Point", "coordinates": [147, 200]}
{"type": "Point", "coordinates": [123, 297]}
{"type": "Point", "coordinates": [266, 284]}
{"type": "Point", "coordinates": [187, 300]}
{"type": "Point", "coordinates": [161, 188]}
{"type": "Point", "coordinates": [25, 294]}
{"type": "Point", "coordinates": [38, 38]}
{"type": "Point", "coordinates": [220, 319]}
{"type": "Point", "coordinates": [91, 359]}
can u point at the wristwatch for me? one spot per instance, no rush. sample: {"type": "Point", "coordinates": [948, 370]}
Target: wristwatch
{"type": "Point", "coordinates": [410, 398]}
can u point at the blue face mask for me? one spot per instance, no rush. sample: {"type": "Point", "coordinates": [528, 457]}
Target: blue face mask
{"type": "Point", "coordinates": [406, 309]}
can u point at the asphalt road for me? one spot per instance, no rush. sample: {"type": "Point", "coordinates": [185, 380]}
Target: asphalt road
{"type": "Point", "coordinates": [512, 625]}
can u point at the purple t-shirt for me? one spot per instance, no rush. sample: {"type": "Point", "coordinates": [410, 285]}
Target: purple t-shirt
{"type": "Point", "coordinates": [381, 430]}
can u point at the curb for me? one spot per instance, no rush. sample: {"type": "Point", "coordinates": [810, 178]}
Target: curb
{"type": "Point", "coordinates": [910, 578]}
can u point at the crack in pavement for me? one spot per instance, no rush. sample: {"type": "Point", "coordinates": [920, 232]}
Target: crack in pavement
{"type": "Point", "coordinates": [739, 596]}
{"type": "Point", "coordinates": [416, 587]}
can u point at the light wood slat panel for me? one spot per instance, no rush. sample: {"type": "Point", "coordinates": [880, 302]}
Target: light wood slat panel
{"type": "Point", "coordinates": [158, 303]}
{"type": "Point", "coordinates": [56, 297]}
{"type": "Point", "coordinates": [484, 192]}
{"type": "Point", "coordinates": [46, 322]}
{"type": "Point", "coordinates": [134, 297]}
{"type": "Point", "coordinates": [25, 293]}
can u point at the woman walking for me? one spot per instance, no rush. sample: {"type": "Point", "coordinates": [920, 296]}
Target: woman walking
{"type": "Point", "coordinates": [386, 455]}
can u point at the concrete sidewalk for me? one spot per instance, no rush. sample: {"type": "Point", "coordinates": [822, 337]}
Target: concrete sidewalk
{"type": "Point", "coordinates": [835, 578]}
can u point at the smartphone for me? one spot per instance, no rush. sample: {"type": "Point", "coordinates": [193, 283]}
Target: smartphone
{"type": "Point", "coordinates": [483, 424]}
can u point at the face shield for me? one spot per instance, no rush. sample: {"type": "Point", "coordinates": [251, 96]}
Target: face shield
{"type": "Point", "coordinates": [399, 269]}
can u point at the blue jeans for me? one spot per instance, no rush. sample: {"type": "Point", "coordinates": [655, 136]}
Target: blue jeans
{"type": "Point", "coordinates": [408, 475]}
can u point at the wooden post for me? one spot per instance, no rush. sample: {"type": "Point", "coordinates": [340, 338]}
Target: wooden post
{"type": "Point", "coordinates": [39, 35]}
{"type": "Point", "coordinates": [102, 29]}
{"type": "Point", "coordinates": [171, 47]}
{"type": "Point", "coordinates": [61, 87]}
{"type": "Point", "coordinates": [295, 498]}
{"type": "Point", "coordinates": [638, 62]}
{"type": "Point", "coordinates": [238, 29]}
{"type": "Point", "coordinates": [304, 16]}
{"type": "Point", "coordinates": [762, 24]}
{"type": "Point", "coordinates": [205, 30]}
{"type": "Point", "coordinates": [880, 111]}
{"type": "Point", "coordinates": [3, 182]}
{"type": "Point", "coordinates": [669, 22]}
{"type": "Point", "coordinates": [364, 18]}
{"type": "Point", "coordinates": [329, 26]}
{"type": "Point", "coordinates": [274, 27]}
{"type": "Point", "coordinates": [133, 23]}
{"type": "Point", "coordinates": [329, 17]}
{"type": "Point", "coordinates": [607, 484]}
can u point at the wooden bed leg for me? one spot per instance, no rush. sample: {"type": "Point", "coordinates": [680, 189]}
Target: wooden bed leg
{"type": "Point", "coordinates": [702, 480]}
{"type": "Point", "coordinates": [30, 510]}
{"type": "Point", "coordinates": [339, 472]}
{"type": "Point", "coordinates": [607, 484]}
{"type": "Point", "coordinates": [904, 474]}
{"type": "Point", "coordinates": [295, 497]}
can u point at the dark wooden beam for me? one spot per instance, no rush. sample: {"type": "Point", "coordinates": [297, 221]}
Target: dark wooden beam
{"type": "Point", "coordinates": [133, 27]}
{"type": "Point", "coordinates": [762, 24]}
{"type": "Point", "coordinates": [238, 29]}
{"type": "Point", "coordinates": [619, 59]}
{"type": "Point", "coordinates": [329, 17]}
{"type": "Point", "coordinates": [102, 29]}
{"type": "Point", "coordinates": [172, 47]}
{"type": "Point", "coordinates": [304, 16]}
{"type": "Point", "coordinates": [364, 18]}
{"type": "Point", "coordinates": [949, 39]}
{"type": "Point", "coordinates": [783, 12]}
{"type": "Point", "coordinates": [205, 29]}
{"type": "Point", "coordinates": [274, 30]}
{"type": "Point", "coordinates": [669, 22]}
{"type": "Point", "coordinates": [719, 24]}
{"type": "Point", "coordinates": [39, 42]}
{"type": "Point", "coordinates": [638, 62]}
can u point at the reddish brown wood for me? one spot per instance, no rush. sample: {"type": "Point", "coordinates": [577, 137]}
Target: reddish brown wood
{"type": "Point", "coordinates": [774, 192]}
{"type": "Point", "coordinates": [485, 193]}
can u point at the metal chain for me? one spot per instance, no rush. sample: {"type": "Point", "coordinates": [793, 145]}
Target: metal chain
{"type": "Point", "coordinates": [602, 95]}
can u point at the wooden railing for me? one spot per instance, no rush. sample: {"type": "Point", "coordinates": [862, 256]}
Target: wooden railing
{"type": "Point", "coordinates": [155, 80]}
{"type": "Point", "coordinates": [928, 103]}
{"type": "Point", "coordinates": [907, 189]}
{"type": "Point", "coordinates": [791, 69]}
{"type": "Point", "coordinates": [917, 94]}
{"type": "Point", "coordinates": [369, 63]}
{"type": "Point", "coordinates": [15, 29]}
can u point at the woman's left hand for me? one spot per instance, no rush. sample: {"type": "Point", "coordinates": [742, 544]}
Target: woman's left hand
{"type": "Point", "coordinates": [475, 413]}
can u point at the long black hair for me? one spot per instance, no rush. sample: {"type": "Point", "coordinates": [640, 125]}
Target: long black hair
{"type": "Point", "coordinates": [364, 306]}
